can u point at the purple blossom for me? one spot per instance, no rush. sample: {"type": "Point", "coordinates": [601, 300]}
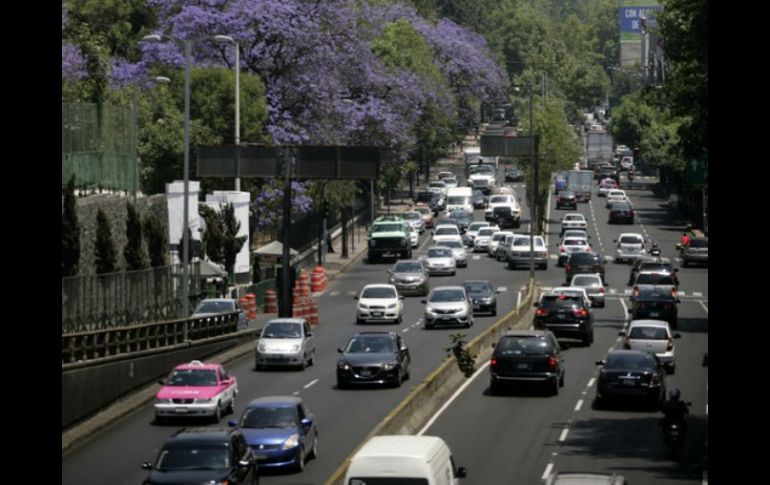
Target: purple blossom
{"type": "Point", "coordinates": [73, 65]}
{"type": "Point", "coordinates": [124, 73]}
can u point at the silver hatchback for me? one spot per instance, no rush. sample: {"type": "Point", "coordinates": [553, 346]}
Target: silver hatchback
{"type": "Point", "coordinates": [285, 342]}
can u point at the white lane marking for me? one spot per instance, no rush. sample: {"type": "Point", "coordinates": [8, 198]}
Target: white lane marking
{"type": "Point", "coordinates": [563, 435]}
{"type": "Point", "coordinates": [404, 330]}
{"type": "Point", "coordinates": [309, 383]}
{"type": "Point", "coordinates": [547, 217]}
{"type": "Point", "coordinates": [351, 293]}
{"type": "Point", "coordinates": [547, 471]}
{"type": "Point", "coordinates": [681, 293]}
{"type": "Point", "coordinates": [625, 309]}
{"type": "Point", "coordinates": [417, 323]}
{"type": "Point", "coordinates": [705, 480]}
{"type": "Point", "coordinates": [502, 289]}
{"type": "Point", "coordinates": [296, 393]}
{"type": "Point", "coordinates": [704, 306]}
{"type": "Point", "coordinates": [579, 405]}
{"type": "Point", "coordinates": [420, 248]}
{"type": "Point", "coordinates": [627, 291]}
{"type": "Point", "coordinates": [467, 383]}
{"type": "Point", "coordinates": [518, 300]}
{"type": "Point", "coordinates": [697, 293]}
{"type": "Point", "coordinates": [476, 257]}
{"type": "Point", "coordinates": [316, 294]}
{"type": "Point", "coordinates": [334, 293]}
{"type": "Point", "coordinates": [591, 382]}
{"type": "Point", "coordinates": [610, 349]}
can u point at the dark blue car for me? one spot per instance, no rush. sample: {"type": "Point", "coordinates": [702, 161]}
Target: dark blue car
{"type": "Point", "coordinates": [560, 182]}
{"type": "Point", "coordinates": [280, 430]}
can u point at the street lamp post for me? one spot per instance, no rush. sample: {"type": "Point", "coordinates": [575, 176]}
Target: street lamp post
{"type": "Point", "coordinates": [229, 40]}
{"type": "Point", "coordinates": [533, 204]}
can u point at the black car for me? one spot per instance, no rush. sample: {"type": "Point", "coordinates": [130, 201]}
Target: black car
{"type": "Point", "coordinates": [621, 212]}
{"type": "Point", "coordinates": [567, 316]}
{"type": "Point", "coordinates": [578, 263]}
{"type": "Point", "coordinates": [656, 302]}
{"type": "Point", "coordinates": [609, 172]}
{"type": "Point", "coordinates": [373, 358]}
{"type": "Point", "coordinates": [204, 455]}
{"type": "Point", "coordinates": [513, 174]}
{"type": "Point", "coordinates": [482, 295]}
{"type": "Point", "coordinates": [462, 219]}
{"type": "Point", "coordinates": [527, 356]}
{"type": "Point", "coordinates": [479, 199]}
{"type": "Point", "coordinates": [631, 374]}
{"type": "Point", "coordinates": [654, 264]}
{"type": "Point", "coordinates": [503, 218]}
{"type": "Point", "coordinates": [432, 199]}
{"type": "Point", "coordinates": [566, 198]}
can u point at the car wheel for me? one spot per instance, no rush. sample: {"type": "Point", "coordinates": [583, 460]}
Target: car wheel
{"type": "Point", "coordinates": [561, 379]}
{"type": "Point", "coordinates": [300, 460]}
{"type": "Point", "coordinates": [586, 340]}
{"type": "Point", "coordinates": [494, 311]}
{"type": "Point", "coordinates": [311, 360]}
{"type": "Point", "coordinates": [231, 406]}
{"type": "Point", "coordinates": [603, 304]}
{"type": "Point", "coordinates": [160, 420]}
{"type": "Point", "coordinates": [554, 387]}
{"type": "Point", "coordinates": [340, 384]}
{"type": "Point", "coordinates": [359, 321]}
{"type": "Point", "coordinates": [218, 412]}
{"type": "Point", "coordinates": [399, 378]}
{"type": "Point", "coordinates": [494, 387]}
{"type": "Point", "coordinates": [314, 451]}
{"type": "Point", "coordinates": [428, 326]}
{"type": "Point", "coordinates": [510, 265]}
{"type": "Point", "coordinates": [454, 273]}
{"type": "Point", "coordinates": [671, 369]}
{"type": "Point", "coordinates": [303, 364]}
{"type": "Point", "coordinates": [399, 320]}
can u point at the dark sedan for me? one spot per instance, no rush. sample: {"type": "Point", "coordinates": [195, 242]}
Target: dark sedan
{"type": "Point", "coordinates": [609, 172]}
{"type": "Point", "coordinates": [567, 316]}
{"type": "Point", "coordinates": [432, 199]}
{"type": "Point", "coordinates": [566, 198]}
{"type": "Point", "coordinates": [653, 264]}
{"type": "Point", "coordinates": [621, 212]}
{"type": "Point", "coordinates": [631, 374]}
{"type": "Point", "coordinates": [482, 295]}
{"type": "Point", "coordinates": [462, 219]}
{"type": "Point", "coordinates": [479, 199]}
{"type": "Point", "coordinates": [527, 356]}
{"type": "Point", "coordinates": [654, 302]}
{"type": "Point", "coordinates": [373, 358]}
{"type": "Point", "coordinates": [513, 174]}
{"type": "Point", "coordinates": [578, 263]}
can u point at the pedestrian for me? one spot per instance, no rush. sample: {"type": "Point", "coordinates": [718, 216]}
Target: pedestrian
{"type": "Point", "coordinates": [329, 247]}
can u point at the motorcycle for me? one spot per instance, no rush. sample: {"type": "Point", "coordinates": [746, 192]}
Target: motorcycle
{"type": "Point", "coordinates": [630, 175]}
{"type": "Point", "coordinates": [674, 431]}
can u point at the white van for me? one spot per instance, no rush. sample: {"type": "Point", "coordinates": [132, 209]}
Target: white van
{"type": "Point", "coordinates": [459, 198]}
{"type": "Point", "coordinates": [418, 460]}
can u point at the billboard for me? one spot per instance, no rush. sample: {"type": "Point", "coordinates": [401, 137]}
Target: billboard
{"type": "Point", "coordinates": [630, 14]}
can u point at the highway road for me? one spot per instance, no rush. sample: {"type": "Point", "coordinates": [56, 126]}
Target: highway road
{"type": "Point", "coordinates": [524, 434]}
{"type": "Point", "coordinates": [344, 417]}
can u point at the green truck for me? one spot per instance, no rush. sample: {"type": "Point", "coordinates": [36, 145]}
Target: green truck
{"type": "Point", "coordinates": [389, 239]}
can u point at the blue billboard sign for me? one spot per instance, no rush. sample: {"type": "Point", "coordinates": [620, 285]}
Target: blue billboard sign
{"type": "Point", "coordinates": [630, 18]}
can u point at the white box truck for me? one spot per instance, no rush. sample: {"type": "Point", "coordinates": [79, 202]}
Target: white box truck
{"type": "Point", "coordinates": [423, 460]}
{"type": "Point", "coordinates": [459, 198]}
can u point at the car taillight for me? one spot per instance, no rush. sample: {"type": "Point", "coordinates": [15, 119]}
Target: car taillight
{"type": "Point", "coordinates": [493, 362]}
{"type": "Point", "coordinates": [562, 250]}
{"type": "Point", "coordinates": [670, 345]}
{"type": "Point", "coordinates": [580, 313]}
{"type": "Point", "coordinates": [626, 344]}
{"type": "Point", "coordinates": [567, 267]}
{"type": "Point", "coordinates": [673, 293]}
{"type": "Point", "coordinates": [552, 362]}
{"type": "Point", "coordinates": [655, 379]}
{"type": "Point", "coordinates": [540, 312]}
{"type": "Point", "coordinates": [601, 290]}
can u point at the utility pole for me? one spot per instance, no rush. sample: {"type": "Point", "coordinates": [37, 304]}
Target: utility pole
{"type": "Point", "coordinates": [533, 205]}
{"type": "Point", "coordinates": [285, 306]}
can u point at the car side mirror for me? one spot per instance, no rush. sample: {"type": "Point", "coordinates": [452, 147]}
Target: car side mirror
{"type": "Point", "coordinates": [355, 297]}
{"type": "Point", "coordinates": [621, 334]}
{"type": "Point", "coordinates": [306, 421]}
{"type": "Point", "coordinates": [630, 311]}
{"type": "Point", "coordinates": [462, 472]}
{"type": "Point", "coordinates": [614, 240]}
{"type": "Point", "coordinates": [232, 423]}
{"type": "Point", "coordinates": [147, 465]}
{"type": "Point", "coordinates": [676, 270]}
{"type": "Point", "coordinates": [390, 271]}
{"type": "Point", "coordinates": [678, 300]}
{"type": "Point", "coordinates": [162, 382]}
{"type": "Point", "coordinates": [676, 335]}
{"type": "Point", "coordinates": [536, 304]}
{"type": "Point", "coordinates": [424, 302]}
{"type": "Point", "coordinates": [339, 349]}
{"type": "Point", "coordinates": [309, 334]}
{"type": "Point", "coordinates": [498, 291]}
{"type": "Point", "coordinates": [600, 362]}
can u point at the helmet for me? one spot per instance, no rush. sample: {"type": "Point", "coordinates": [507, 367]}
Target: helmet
{"type": "Point", "coordinates": [673, 394]}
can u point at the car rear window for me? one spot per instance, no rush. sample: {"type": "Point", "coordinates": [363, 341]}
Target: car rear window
{"type": "Point", "coordinates": [439, 253]}
{"type": "Point", "coordinates": [654, 279]}
{"type": "Point", "coordinates": [526, 345]}
{"type": "Point", "coordinates": [586, 281]}
{"type": "Point", "coordinates": [583, 258]}
{"type": "Point", "coordinates": [407, 268]}
{"type": "Point", "coordinates": [477, 287]}
{"type": "Point", "coordinates": [648, 333]}
{"type": "Point", "coordinates": [447, 295]}
{"type": "Point", "coordinates": [560, 301]}
{"type": "Point", "coordinates": [699, 243]}
{"type": "Point", "coordinates": [630, 240]}
{"type": "Point", "coordinates": [655, 294]}
{"type": "Point", "coordinates": [629, 361]}
{"type": "Point", "coordinates": [446, 231]}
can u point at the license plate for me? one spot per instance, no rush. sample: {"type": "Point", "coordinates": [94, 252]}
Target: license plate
{"type": "Point", "coordinates": [261, 456]}
{"type": "Point", "coordinates": [476, 307]}
{"type": "Point", "coordinates": [560, 316]}
{"type": "Point", "coordinates": [629, 383]}
{"type": "Point", "coordinates": [181, 410]}
{"type": "Point", "coordinates": [522, 366]}
{"type": "Point", "coordinates": [654, 314]}
{"type": "Point", "coordinates": [376, 314]}
{"type": "Point", "coordinates": [366, 373]}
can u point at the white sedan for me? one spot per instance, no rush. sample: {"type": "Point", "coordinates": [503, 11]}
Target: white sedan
{"type": "Point", "coordinates": [573, 220]}
{"type": "Point", "coordinates": [445, 232]}
{"type": "Point", "coordinates": [616, 195]}
{"type": "Point", "coordinates": [379, 303]}
{"type": "Point", "coordinates": [440, 260]}
{"type": "Point", "coordinates": [473, 229]}
{"type": "Point", "coordinates": [495, 241]}
{"type": "Point", "coordinates": [571, 245]}
{"type": "Point", "coordinates": [483, 238]}
{"type": "Point", "coordinates": [458, 251]}
{"type": "Point", "coordinates": [652, 336]}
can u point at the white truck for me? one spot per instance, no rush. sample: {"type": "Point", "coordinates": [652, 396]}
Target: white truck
{"type": "Point", "coordinates": [459, 198]}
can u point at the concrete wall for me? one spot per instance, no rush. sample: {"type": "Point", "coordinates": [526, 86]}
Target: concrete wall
{"type": "Point", "coordinates": [88, 388]}
{"type": "Point", "coordinates": [114, 206]}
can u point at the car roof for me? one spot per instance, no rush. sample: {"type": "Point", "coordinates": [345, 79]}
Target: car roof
{"type": "Point", "coordinates": [229, 300]}
{"type": "Point", "coordinates": [525, 333]}
{"type": "Point", "coordinates": [200, 435]}
{"type": "Point", "coordinates": [470, 282]}
{"type": "Point", "coordinates": [448, 287]}
{"type": "Point", "coordinates": [635, 353]}
{"type": "Point", "coordinates": [648, 323]}
{"type": "Point", "coordinates": [275, 401]}
{"type": "Point", "coordinates": [197, 364]}
{"type": "Point", "coordinates": [286, 320]}
{"type": "Point", "coordinates": [378, 285]}
{"type": "Point", "coordinates": [374, 333]}
{"type": "Point", "coordinates": [584, 275]}
{"type": "Point", "coordinates": [636, 234]}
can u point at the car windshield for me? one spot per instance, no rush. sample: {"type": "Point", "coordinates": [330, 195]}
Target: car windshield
{"type": "Point", "coordinates": [457, 199]}
{"type": "Point", "coordinates": [654, 279]}
{"type": "Point", "coordinates": [388, 228]}
{"type": "Point", "coordinates": [586, 281]}
{"type": "Point", "coordinates": [270, 417]}
{"type": "Point", "coordinates": [423, 210]}
{"type": "Point", "coordinates": [425, 196]}
{"type": "Point", "coordinates": [561, 301]}
{"type": "Point", "coordinates": [478, 287]}
{"type": "Point", "coordinates": [452, 244]}
{"type": "Point", "coordinates": [648, 333]}
{"type": "Point", "coordinates": [282, 330]}
{"type": "Point", "coordinates": [620, 207]}
{"type": "Point", "coordinates": [575, 242]}
{"type": "Point", "coordinates": [699, 243]}
{"type": "Point", "coordinates": [475, 226]}
{"type": "Point", "coordinates": [496, 199]}
{"type": "Point", "coordinates": [193, 458]}
{"type": "Point", "coordinates": [439, 253]}
{"type": "Point", "coordinates": [193, 377]}
{"type": "Point", "coordinates": [499, 236]}
{"type": "Point", "coordinates": [378, 292]}
{"type": "Point", "coordinates": [630, 240]}
{"type": "Point", "coordinates": [461, 216]}
{"type": "Point", "coordinates": [447, 231]}
{"type": "Point", "coordinates": [410, 267]}
{"type": "Point", "coordinates": [524, 241]}
{"type": "Point", "coordinates": [215, 307]}
{"type": "Point", "coordinates": [658, 267]}
{"type": "Point", "coordinates": [523, 345]}
{"type": "Point", "coordinates": [370, 345]}
{"type": "Point", "coordinates": [441, 296]}
{"type": "Point", "coordinates": [629, 362]}
{"type": "Point", "coordinates": [437, 184]}
{"type": "Point", "coordinates": [484, 231]}
{"type": "Point", "coordinates": [574, 218]}
{"type": "Point", "coordinates": [412, 216]}
{"type": "Point", "coordinates": [481, 169]}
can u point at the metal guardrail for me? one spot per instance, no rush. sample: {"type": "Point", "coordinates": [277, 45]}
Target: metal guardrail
{"type": "Point", "coordinates": [96, 344]}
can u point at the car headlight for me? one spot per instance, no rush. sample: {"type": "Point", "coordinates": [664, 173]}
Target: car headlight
{"type": "Point", "coordinates": [361, 306]}
{"type": "Point", "coordinates": [429, 310]}
{"type": "Point", "coordinates": [162, 401]}
{"type": "Point", "coordinates": [262, 347]}
{"type": "Point", "coordinates": [391, 306]}
{"type": "Point", "coordinates": [295, 348]}
{"type": "Point", "coordinates": [392, 280]}
{"type": "Point", "coordinates": [485, 300]}
{"type": "Point", "coordinates": [291, 442]}
{"type": "Point", "coordinates": [202, 401]}
{"type": "Point", "coordinates": [343, 366]}
{"type": "Point", "coordinates": [389, 366]}
{"type": "Point", "coordinates": [403, 242]}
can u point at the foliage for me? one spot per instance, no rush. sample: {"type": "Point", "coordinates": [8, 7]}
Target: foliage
{"type": "Point", "coordinates": [106, 255]}
{"type": "Point", "coordinates": [157, 239]}
{"type": "Point", "coordinates": [70, 232]}
{"type": "Point", "coordinates": [231, 242]}
{"type": "Point", "coordinates": [213, 236]}
{"type": "Point", "coordinates": [631, 119]}
{"type": "Point", "coordinates": [134, 251]}
{"type": "Point", "coordinates": [465, 360]}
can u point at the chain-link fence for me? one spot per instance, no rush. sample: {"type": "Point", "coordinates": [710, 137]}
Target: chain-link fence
{"type": "Point", "coordinates": [95, 302]}
{"type": "Point", "coordinates": [98, 146]}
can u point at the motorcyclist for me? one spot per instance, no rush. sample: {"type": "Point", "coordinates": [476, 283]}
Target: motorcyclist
{"type": "Point", "coordinates": [674, 410]}
{"type": "Point", "coordinates": [655, 250]}
{"type": "Point", "coordinates": [684, 240]}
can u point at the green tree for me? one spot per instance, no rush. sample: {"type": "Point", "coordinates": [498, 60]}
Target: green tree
{"type": "Point", "coordinates": [213, 235]}
{"type": "Point", "coordinates": [632, 118]}
{"type": "Point", "coordinates": [70, 232]}
{"type": "Point", "coordinates": [134, 251]}
{"type": "Point", "coordinates": [231, 242]}
{"type": "Point", "coordinates": [106, 255]}
{"type": "Point", "coordinates": [157, 239]}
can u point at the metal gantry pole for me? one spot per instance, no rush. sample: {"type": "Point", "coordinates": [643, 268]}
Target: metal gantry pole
{"type": "Point", "coordinates": [285, 275]}
{"type": "Point", "coordinates": [533, 206]}
{"type": "Point", "coordinates": [238, 115]}
{"type": "Point", "coordinates": [186, 203]}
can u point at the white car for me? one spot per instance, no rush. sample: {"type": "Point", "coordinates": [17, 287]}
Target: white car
{"type": "Point", "coordinates": [570, 291]}
{"type": "Point", "coordinates": [438, 186]}
{"type": "Point", "coordinates": [502, 200]}
{"type": "Point", "coordinates": [592, 284]}
{"type": "Point", "coordinates": [379, 303]}
{"type": "Point", "coordinates": [652, 336]}
{"type": "Point", "coordinates": [414, 218]}
{"type": "Point", "coordinates": [616, 195]}
{"type": "Point", "coordinates": [579, 233]}
{"type": "Point", "coordinates": [630, 246]}
{"type": "Point", "coordinates": [606, 185]}
{"type": "Point", "coordinates": [626, 162]}
{"type": "Point", "coordinates": [573, 220]}
{"type": "Point", "coordinates": [440, 260]}
{"type": "Point", "coordinates": [473, 229]}
{"type": "Point", "coordinates": [571, 245]}
{"type": "Point", "coordinates": [483, 237]}
{"type": "Point", "coordinates": [519, 252]}
{"type": "Point", "coordinates": [448, 305]}
{"type": "Point", "coordinates": [285, 341]}
{"type": "Point", "coordinates": [451, 182]}
{"type": "Point", "coordinates": [445, 232]}
{"type": "Point", "coordinates": [443, 175]}
{"type": "Point", "coordinates": [458, 251]}
{"type": "Point", "coordinates": [481, 177]}
{"type": "Point", "coordinates": [495, 240]}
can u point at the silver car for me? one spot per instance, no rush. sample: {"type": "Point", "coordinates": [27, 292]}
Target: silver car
{"type": "Point", "coordinates": [285, 342]}
{"type": "Point", "coordinates": [630, 246]}
{"type": "Point", "coordinates": [415, 219]}
{"type": "Point", "coordinates": [448, 305]}
{"type": "Point", "coordinates": [410, 277]}
{"type": "Point", "coordinates": [211, 307]}
{"type": "Point", "coordinates": [440, 260]}
{"type": "Point", "coordinates": [593, 285]}
{"type": "Point", "coordinates": [458, 251]}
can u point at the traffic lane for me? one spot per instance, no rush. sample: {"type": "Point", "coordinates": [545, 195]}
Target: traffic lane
{"type": "Point", "coordinates": [511, 437]}
{"type": "Point", "coordinates": [628, 440]}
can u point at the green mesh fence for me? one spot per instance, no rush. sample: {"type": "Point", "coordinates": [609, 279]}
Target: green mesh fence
{"type": "Point", "coordinates": [98, 147]}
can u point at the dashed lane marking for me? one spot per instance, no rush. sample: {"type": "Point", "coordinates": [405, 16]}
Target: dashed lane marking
{"type": "Point", "coordinates": [579, 405]}
{"type": "Point", "coordinates": [334, 293]}
{"type": "Point", "coordinates": [476, 257]}
{"type": "Point", "coordinates": [704, 306]}
{"type": "Point", "coordinates": [309, 383]}
{"type": "Point", "coordinates": [563, 435]}
{"type": "Point", "coordinates": [591, 382]}
{"type": "Point", "coordinates": [697, 293]}
{"type": "Point", "coordinates": [351, 293]}
{"type": "Point", "coordinates": [547, 471]}
{"type": "Point", "coordinates": [502, 288]}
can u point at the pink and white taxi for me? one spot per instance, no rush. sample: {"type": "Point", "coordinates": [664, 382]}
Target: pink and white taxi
{"type": "Point", "coordinates": [196, 389]}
